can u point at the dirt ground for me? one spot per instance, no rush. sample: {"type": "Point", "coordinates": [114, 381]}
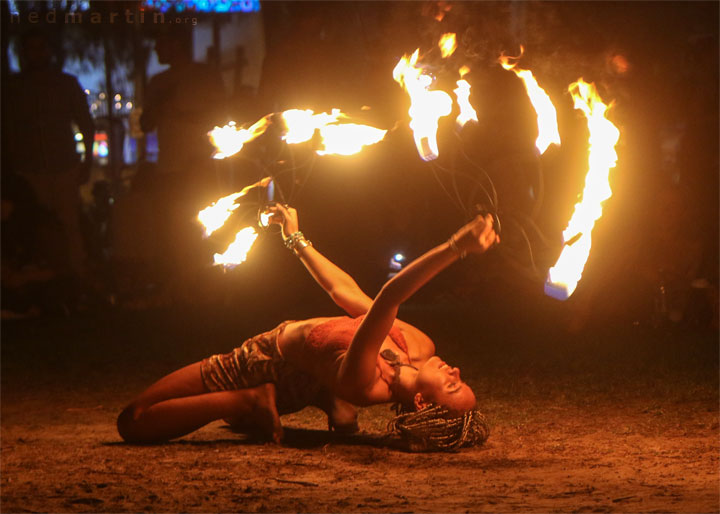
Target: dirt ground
{"type": "Point", "coordinates": [612, 420]}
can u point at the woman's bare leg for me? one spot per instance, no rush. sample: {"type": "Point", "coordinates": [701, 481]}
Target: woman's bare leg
{"type": "Point", "coordinates": [179, 403]}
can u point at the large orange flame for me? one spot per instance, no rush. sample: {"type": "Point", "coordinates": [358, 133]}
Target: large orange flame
{"type": "Point", "coordinates": [426, 107]}
{"type": "Point", "coordinates": [564, 276]}
{"type": "Point", "coordinates": [548, 132]}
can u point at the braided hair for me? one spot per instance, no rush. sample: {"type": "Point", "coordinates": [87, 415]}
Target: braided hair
{"type": "Point", "coordinates": [435, 428]}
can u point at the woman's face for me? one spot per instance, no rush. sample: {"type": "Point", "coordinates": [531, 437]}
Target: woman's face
{"type": "Point", "coordinates": [440, 383]}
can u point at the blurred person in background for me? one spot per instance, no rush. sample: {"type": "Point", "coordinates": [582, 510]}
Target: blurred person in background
{"type": "Point", "coordinates": [182, 104]}
{"type": "Point", "coordinates": [41, 107]}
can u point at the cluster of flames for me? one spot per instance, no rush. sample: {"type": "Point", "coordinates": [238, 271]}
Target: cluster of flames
{"type": "Point", "coordinates": [338, 135]}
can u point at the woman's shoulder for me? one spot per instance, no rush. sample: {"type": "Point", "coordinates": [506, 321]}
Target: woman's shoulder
{"type": "Point", "coordinates": [419, 343]}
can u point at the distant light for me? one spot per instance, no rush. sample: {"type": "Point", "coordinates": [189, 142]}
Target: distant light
{"type": "Point", "coordinates": [78, 136]}
{"type": "Point", "coordinates": [101, 96]}
{"type": "Point", "coordinates": [87, 91]}
{"type": "Point", "coordinates": [204, 5]}
{"type": "Point", "coordinates": [118, 97]}
{"type": "Point", "coordinates": [118, 105]}
{"type": "Point", "coordinates": [128, 105]}
{"type": "Point", "coordinates": [396, 262]}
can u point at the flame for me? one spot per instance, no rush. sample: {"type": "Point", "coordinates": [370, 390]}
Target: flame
{"type": "Point", "coordinates": [229, 140]}
{"type": "Point", "coordinates": [546, 116]}
{"type": "Point", "coordinates": [337, 138]}
{"type": "Point", "coordinates": [564, 276]}
{"type": "Point", "coordinates": [215, 216]}
{"type": "Point", "coordinates": [426, 107]}
{"type": "Point", "coordinates": [462, 92]}
{"type": "Point", "coordinates": [348, 138]}
{"type": "Point", "coordinates": [447, 44]}
{"type": "Point", "coordinates": [302, 124]}
{"type": "Point", "coordinates": [237, 252]}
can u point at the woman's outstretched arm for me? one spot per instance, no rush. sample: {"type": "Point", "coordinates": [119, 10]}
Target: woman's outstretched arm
{"type": "Point", "coordinates": [357, 371]}
{"type": "Point", "coordinates": [341, 287]}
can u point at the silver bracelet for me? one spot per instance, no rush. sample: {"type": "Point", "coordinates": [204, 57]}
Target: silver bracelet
{"type": "Point", "coordinates": [454, 247]}
{"type": "Point", "coordinates": [296, 242]}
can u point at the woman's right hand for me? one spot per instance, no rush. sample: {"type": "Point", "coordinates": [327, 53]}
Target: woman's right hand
{"type": "Point", "coordinates": [478, 236]}
{"type": "Point", "coordinates": [286, 217]}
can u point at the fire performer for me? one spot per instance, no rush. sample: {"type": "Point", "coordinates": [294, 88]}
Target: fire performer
{"type": "Point", "coordinates": [333, 363]}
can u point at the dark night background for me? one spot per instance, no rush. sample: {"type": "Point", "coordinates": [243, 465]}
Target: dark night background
{"type": "Point", "coordinates": [645, 312]}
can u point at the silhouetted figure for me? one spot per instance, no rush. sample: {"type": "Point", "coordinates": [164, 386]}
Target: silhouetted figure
{"type": "Point", "coordinates": [29, 233]}
{"type": "Point", "coordinates": [41, 106]}
{"type": "Point", "coordinates": [182, 104]}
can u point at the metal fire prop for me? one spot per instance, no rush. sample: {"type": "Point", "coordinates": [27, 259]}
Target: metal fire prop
{"type": "Point", "coordinates": [337, 133]}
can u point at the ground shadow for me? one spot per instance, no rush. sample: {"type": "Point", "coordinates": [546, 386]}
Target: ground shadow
{"type": "Point", "coordinates": [300, 438]}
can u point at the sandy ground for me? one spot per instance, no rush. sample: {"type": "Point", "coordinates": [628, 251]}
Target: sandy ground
{"type": "Point", "coordinates": [590, 427]}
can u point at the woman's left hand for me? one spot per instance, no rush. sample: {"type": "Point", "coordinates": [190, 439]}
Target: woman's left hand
{"type": "Point", "coordinates": [478, 236]}
{"type": "Point", "coordinates": [286, 217]}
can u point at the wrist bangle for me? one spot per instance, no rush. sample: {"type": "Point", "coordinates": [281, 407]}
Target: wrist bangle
{"type": "Point", "coordinates": [300, 245]}
{"type": "Point", "coordinates": [296, 242]}
{"type": "Point", "coordinates": [454, 247]}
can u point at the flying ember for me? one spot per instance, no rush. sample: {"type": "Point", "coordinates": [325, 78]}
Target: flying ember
{"type": "Point", "coordinates": [564, 276]}
{"type": "Point", "coordinates": [426, 107]}
{"type": "Point", "coordinates": [462, 92]}
{"type": "Point", "coordinates": [546, 116]}
{"type": "Point", "coordinates": [447, 44]}
{"type": "Point", "coordinates": [237, 252]}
